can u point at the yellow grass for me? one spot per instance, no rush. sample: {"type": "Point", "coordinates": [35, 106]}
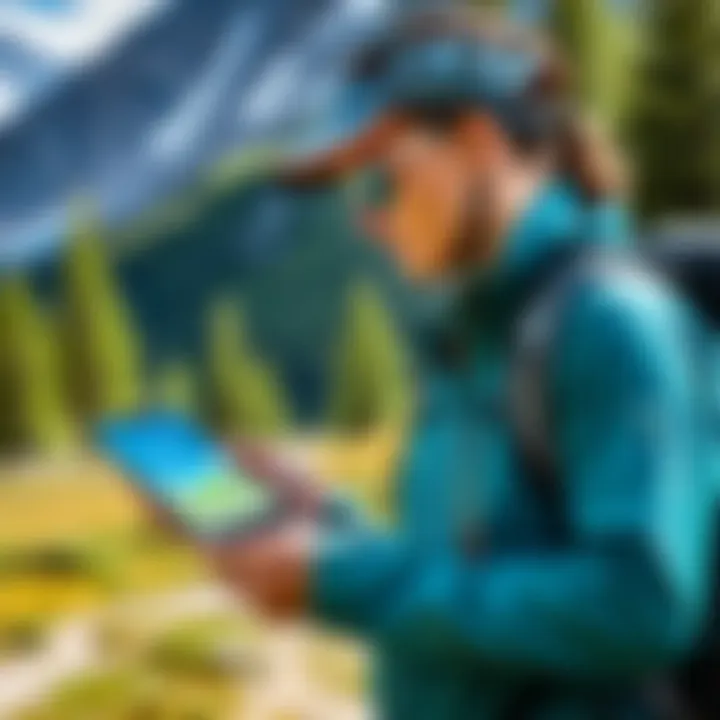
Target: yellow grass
{"type": "Point", "coordinates": [336, 665]}
{"type": "Point", "coordinates": [29, 598]}
{"type": "Point", "coordinates": [51, 501]}
{"type": "Point", "coordinates": [163, 566]}
{"type": "Point", "coordinates": [134, 693]}
{"type": "Point", "coordinates": [46, 505]}
{"type": "Point", "coordinates": [363, 466]}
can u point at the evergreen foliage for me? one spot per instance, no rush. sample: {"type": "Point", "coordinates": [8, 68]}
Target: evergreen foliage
{"type": "Point", "coordinates": [245, 395]}
{"type": "Point", "coordinates": [103, 358]}
{"type": "Point", "coordinates": [370, 384]}
{"type": "Point", "coordinates": [600, 43]}
{"type": "Point", "coordinates": [175, 388]}
{"type": "Point", "coordinates": [35, 413]}
{"type": "Point", "coordinates": [676, 127]}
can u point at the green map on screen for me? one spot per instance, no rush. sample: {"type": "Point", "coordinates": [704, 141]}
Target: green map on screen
{"type": "Point", "coordinates": [221, 498]}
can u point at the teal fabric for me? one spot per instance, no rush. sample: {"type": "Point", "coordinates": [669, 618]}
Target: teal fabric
{"type": "Point", "coordinates": [575, 627]}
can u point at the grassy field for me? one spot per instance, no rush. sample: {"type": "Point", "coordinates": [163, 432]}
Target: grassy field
{"type": "Point", "coordinates": [81, 500]}
{"type": "Point", "coordinates": [74, 540]}
{"type": "Point", "coordinates": [140, 692]}
{"type": "Point", "coordinates": [48, 502]}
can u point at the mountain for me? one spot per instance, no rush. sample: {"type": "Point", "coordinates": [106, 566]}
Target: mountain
{"type": "Point", "coordinates": [191, 85]}
{"type": "Point", "coordinates": [161, 134]}
{"type": "Point", "coordinates": [152, 133]}
{"type": "Point", "coordinates": [22, 73]}
{"type": "Point", "coordinates": [287, 258]}
{"type": "Point", "coordinates": [43, 42]}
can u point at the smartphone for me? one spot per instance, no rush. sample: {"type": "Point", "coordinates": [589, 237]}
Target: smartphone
{"type": "Point", "coordinates": [185, 472]}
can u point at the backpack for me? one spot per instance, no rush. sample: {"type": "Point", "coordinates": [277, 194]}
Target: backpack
{"type": "Point", "coordinates": [693, 266]}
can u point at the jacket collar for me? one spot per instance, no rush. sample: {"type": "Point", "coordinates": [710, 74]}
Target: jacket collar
{"type": "Point", "coordinates": [485, 303]}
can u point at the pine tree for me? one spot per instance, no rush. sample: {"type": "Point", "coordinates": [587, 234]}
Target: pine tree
{"type": "Point", "coordinates": [246, 395]}
{"type": "Point", "coordinates": [175, 387]}
{"type": "Point", "coordinates": [599, 41]}
{"type": "Point", "coordinates": [371, 384]}
{"type": "Point", "coordinates": [103, 357]}
{"type": "Point", "coordinates": [36, 414]}
{"type": "Point", "coordinates": [676, 128]}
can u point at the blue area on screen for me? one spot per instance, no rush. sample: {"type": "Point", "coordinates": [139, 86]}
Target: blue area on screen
{"type": "Point", "coordinates": [184, 470]}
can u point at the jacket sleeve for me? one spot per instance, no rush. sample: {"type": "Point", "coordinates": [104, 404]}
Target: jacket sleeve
{"type": "Point", "coordinates": [608, 224]}
{"type": "Point", "coordinates": [630, 591]}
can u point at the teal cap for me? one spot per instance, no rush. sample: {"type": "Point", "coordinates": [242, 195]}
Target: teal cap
{"type": "Point", "coordinates": [401, 72]}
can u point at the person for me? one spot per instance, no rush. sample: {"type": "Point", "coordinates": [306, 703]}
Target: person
{"type": "Point", "coordinates": [477, 604]}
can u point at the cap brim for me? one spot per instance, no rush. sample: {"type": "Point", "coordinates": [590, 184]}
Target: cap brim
{"type": "Point", "coordinates": [345, 157]}
{"type": "Point", "coordinates": [346, 134]}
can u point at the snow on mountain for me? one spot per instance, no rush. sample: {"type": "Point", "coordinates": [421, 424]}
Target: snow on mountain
{"type": "Point", "coordinates": [42, 41]}
{"type": "Point", "coordinates": [167, 99]}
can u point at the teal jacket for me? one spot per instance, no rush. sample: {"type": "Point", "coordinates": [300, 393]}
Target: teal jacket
{"type": "Point", "coordinates": [532, 627]}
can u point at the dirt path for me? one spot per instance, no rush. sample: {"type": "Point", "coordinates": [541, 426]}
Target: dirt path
{"type": "Point", "coordinates": [72, 648]}
{"type": "Point", "coordinates": [284, 688]}
{"type": "Point", "coordinates": [287, 689]}
{"type": "Point", "coordinates": [70, 651]}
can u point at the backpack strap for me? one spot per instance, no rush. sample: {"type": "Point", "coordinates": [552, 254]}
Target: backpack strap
{"type": "Point", "coordinates": [536, 336]}
{"type": "Point", "coordinates": [692, 692]}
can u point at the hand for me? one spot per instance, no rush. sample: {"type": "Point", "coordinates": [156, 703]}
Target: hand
{"type": "Point", "coordinates": [289, 477]}
{"type": "Point", "coordinates": [272, 570]}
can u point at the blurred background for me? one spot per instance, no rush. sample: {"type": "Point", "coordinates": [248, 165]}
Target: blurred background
{"type": "Point", "coordinates": [146, 257]}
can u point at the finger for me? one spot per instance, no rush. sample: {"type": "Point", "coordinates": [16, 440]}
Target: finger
{"type": "Point", "coordinates": [282, 474]}
{"type": "Point", "coordinates": [163, 520]}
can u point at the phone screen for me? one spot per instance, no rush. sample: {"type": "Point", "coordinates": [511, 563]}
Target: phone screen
{"type": "Point", "coordinates": [183, 470]}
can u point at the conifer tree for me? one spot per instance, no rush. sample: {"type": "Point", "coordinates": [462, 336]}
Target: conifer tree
{"type": "Point", "coordinates": [599, 41]}
{"type": "Point", "coordinates": [370, 385]}
{"type": "Point", "coordinates": [246, 396]}
{"type": "Point", "coordinates": [36, 414]}
{"type": "Point", "coordinates": [676, 128]}
{"type": "Point", "coordinates": [175, 387]}
{"type": "Point", "coordinates": [103, 359]}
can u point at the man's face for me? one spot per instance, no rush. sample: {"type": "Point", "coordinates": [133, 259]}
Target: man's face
{"type": "Point", "coordinates": [430, 180]}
